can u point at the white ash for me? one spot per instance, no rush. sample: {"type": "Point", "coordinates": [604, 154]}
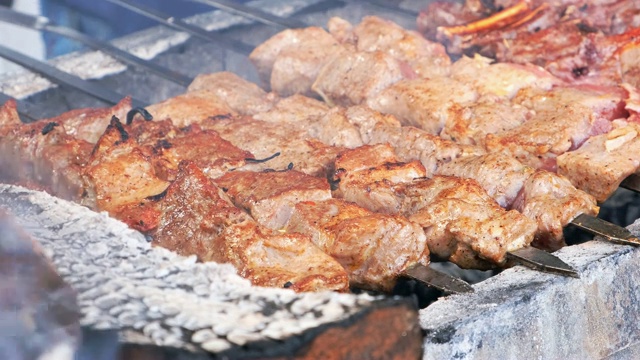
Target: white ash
{"type": "Point", "coordinates": [124, 283]}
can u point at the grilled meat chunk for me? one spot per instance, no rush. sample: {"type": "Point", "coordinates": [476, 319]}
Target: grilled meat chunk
{"type": "Point", "coordinates": [290, 61]}
{"type": "Point", "coordinates": [564, 118]}
{"type": "Point", "coordinates": [423, 103]}
{"type": "Point", "coordinates": [553, 202]}
{"type": "Point", "coordinates": [119, 172]}
{"type": "Point", "coordinates": [426, 58]}
{"type": "Point", "coordinates": [211, 153]}
{"type": "Point", "coordinates": [198, 219]}
{"type": "Point", "coordinates": [244, 97]}
{"type": "Point", "coordinates": [463, 224]}
{"type": "Point", "coordinates": [373, 248]}
{"type": "Point", "coordinates": [271, 196]}
{"type": "Point", "coordinates": [191, 108]}
{"type": "Point", "coordinates": [353, 77]}
{"type": "Point", "coordinates": [602, 162]}
{"type": "Point", "coordinates": [500, 175]}
{"type": "Point", "coordinates": [265, 139]}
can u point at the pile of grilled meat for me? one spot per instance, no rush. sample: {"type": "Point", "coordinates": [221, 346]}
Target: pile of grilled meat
{"type": "Point", "coordinates": [408, 156]}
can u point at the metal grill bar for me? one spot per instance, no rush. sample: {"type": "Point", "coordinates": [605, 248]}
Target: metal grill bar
{"type": "Point", "coordinates": [44, 24]}
{"type": "Point", "coordinates": [254, 14]}
{"type": "Point", "coordinates": [63, 78]}
{"type": "Point", "coordinates": [177, 24]}
{"type": "Point", "coordinates": [386, 5]}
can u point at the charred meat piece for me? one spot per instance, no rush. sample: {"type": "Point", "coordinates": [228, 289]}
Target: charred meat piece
{"type": "Point", "coordinates": [373, 248]}
{"type": "Point", "coordinates": [290, 61]}
{"type": "Point", "coordinates": [264, 140]}
{"type": "Point", "coordinates": [197, 218]}
{"type": "Point", "coordinates": [271, 196]}
{"type": "Point", "coordinates": [602, 162]}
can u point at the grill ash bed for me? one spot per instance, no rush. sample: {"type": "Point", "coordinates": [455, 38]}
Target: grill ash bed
{"type": "Point", "coordinates": [166, 306]}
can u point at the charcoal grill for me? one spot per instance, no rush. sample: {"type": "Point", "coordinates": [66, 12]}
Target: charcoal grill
{"type": "Point", "coordinates": [517, 313]}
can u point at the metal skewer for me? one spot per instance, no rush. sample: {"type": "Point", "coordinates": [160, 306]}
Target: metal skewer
{"type": "Point", "coordinates": [610, 232]}
{"type": "Point", "coordinates": [43, 24]}
{"type": "Point", "coordinates": [254, 14]}
{"type": "Point", "coordinates": [436, 279]}
{"type": "Point", "coordinates": [387, 5]}
{"type": "Point", "coordinates": [63, 78]}
{"type": "Point", "coordinates": [542, 261]}
{"type": "Point", "coordinates": [632, 182]}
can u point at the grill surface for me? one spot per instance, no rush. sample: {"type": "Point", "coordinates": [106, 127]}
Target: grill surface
{"type": "Point", "coordinates": [518, 309]}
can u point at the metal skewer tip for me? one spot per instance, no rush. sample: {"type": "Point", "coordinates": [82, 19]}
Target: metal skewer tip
{"type": "Point", "coordinates": [610, 232]}
{"type": "Point", "coordinates": [631, 182]}
{"type": "Point", "coordinates": [437, 279]}
{"type": "Point", "coordinates": [541, 260]}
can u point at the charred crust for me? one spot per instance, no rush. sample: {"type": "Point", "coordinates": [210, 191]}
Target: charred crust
{"type": "Point", "coordinates": [258, 161]}
{"type": "Point", "coordinates": [163, 144]}
{"type": "Point", "coordinates": [580, 71]}
{"type": "Point", "coordinates": [334, 183]}
{"type": "Point", "coordinates": [157, 197]}
{"type": "Point", "coordinates": [586, 29]}
{"type": "Point", "coordinates": [221, 117]}
{"type": "Point", "coordinates": [49, 127]}
{"type": "Point", "coordinates": [115, 123]}
{"type": "Point", "coordinates": [138, 110]}
{"type": "Point", "coordinates": [287, 285]}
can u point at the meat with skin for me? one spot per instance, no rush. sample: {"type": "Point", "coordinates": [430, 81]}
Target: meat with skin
{"type": "Point", "coordinates": [553, 202]}
{"type": "Point", "coordinates": [463, 224]}
{"type": "Point", "coordinates": [244, 97]}
{"type": "Point", "coordinates": [198, 219]}
{"type": "Point", "coordinates": [264, 140]}
{"type": "Point", "coordinates": [372, 34]}
{"type": "Point", "coordinates": [290, 61]}
{"type": "Point", "coordinates": [271, 196]}
{"type": "Point", "coordinates": [423, 103]}
{"type": "Point", "coordinates": [564, 118]}
{"type": "Point", "coordinates": [355, 76]}
{"type": "Point", "coordinates": [373, 248]}
{"type": "Point", "coordinates": [602, 162]}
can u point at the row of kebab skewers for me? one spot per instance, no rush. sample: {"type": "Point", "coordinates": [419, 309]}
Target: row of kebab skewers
{"type": "Point", "coordinates": [409, 156]}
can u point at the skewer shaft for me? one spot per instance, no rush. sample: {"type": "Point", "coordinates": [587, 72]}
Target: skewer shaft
{"type": "Point", "coordinates": [541, 260]}
{"type": "Point", "coordinates": [437, 279]}
{"type": "Point", "coordinates": [607, 230]}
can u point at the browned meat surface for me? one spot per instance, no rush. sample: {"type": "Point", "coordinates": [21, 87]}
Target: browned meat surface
{"type": "Point", "coordinates": [367, 176]}
{"type": "Point", "coordinates": [469, 125]}
{"type": "Point", "coordinates": [119, 172]}
{"type": "Point", "coordinates": [191, 108]}
{"type": "Point", "coordinates": [373, 248]}
{"type": "Point", "coordinates": [564, 118]}
{"type": "Point", "coordinates": [552, 202]}
{"type": "Point", "coordinates": [198, 219]}
{"type": "Point", "coordinates": [355, 76]}
{"type": "Point", "coordinates": [426, 58]}
{"type": "Point", "coordinates": [264, 139]}
{"type": "Point", "coordinates": [500, 175]}
{"type": "Point", "coordinates": [271, 196]}
{"type": "Point", "coordinates": [602, 162]}
{"type": "Point", "coordinates": [463, 224]}
{"type": "Point", "coordinates": [290, 61]}
{"type": "Point", "coordinates": [241, 95]}
{"type": "Point", "coordinates": [89, 124]}
{"type": "Point", "coordinates": [423, 103]}
{"type": "Point", "coordinates": [41, 155]}
{"type": "Point", "coordinates": [500, 79]}
{"type": "Point", "coordinates": [211, 153]}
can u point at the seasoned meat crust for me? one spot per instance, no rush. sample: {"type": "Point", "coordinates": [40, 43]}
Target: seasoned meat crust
{"type": "Point", "coordinates": [374, 248]}
{"type": "Point", "coordinates": [197, 218]}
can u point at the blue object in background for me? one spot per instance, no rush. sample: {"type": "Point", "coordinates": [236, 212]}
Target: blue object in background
{"type": "Point", "coordinates": [103, 20]}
